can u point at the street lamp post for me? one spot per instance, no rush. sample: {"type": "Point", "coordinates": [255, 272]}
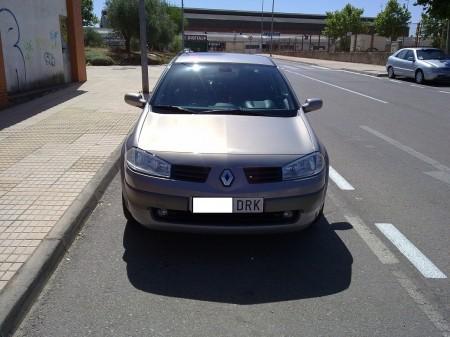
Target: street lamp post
{"type": "Point", "coordinates": [143, 40]}
{"type": "Point", "coordinates": [271, 30]}
{"type": "Point", "coordinates": [262, 24]}
{"type": "Point", "coordinates": [182, 24]}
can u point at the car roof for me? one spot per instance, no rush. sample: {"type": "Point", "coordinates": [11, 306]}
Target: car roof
{"type": "Point", "coordinates": [207, 57]}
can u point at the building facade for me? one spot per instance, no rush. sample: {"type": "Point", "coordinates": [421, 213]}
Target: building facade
{"type": "Point", "coordinates": [41, 45]}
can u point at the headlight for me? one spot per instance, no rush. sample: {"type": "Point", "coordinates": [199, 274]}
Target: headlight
{"type": "Point", "coordinates": [306, 166]}
{"type": "Point", "coordinates": [147, 163]}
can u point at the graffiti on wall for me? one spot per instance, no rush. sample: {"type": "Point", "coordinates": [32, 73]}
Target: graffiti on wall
{"type": "Point", "coordinates": [49, 59]}
{"type": "Point", "coordinates": [12, 52]}
{"type": "Point", "coordinates": [54, 39]}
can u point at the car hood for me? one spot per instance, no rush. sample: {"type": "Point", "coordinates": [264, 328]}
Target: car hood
{"type": "Point", "coordinates": [438, 63]}
{"type": "Point", "coordinates": [225, 134]}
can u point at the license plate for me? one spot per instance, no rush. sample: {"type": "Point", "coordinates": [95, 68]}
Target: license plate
{"type": "Point", "coordinates": [227, 205]}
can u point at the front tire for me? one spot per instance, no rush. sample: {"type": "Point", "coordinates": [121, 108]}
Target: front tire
{"type": "Point", "coordinates": [419, 77]}
{"type": "Point", "coordinates": [391, 73]}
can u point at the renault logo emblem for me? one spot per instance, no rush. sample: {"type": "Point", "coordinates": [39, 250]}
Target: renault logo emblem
{"type": "Point", "coordinates": [227, 178]}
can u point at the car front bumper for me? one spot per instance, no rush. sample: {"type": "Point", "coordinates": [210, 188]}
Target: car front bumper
{"type": "Point", "coordinates": [144, 195]}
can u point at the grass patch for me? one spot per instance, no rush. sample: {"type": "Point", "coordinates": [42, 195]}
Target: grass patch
{"type": "Point", "coordinates": [105, 56]}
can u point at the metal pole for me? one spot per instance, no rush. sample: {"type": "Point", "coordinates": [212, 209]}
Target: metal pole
{"type": "Point", "coordinates": [182, 24]}
{"type": "Point", "coordinates": [143, 40]}
{"type": "Point", "coordinates": [262, 24]}
{"type": "Point", "coordinates": [448, 36]}
{"type": "Point", "coordinates": [271, 30]}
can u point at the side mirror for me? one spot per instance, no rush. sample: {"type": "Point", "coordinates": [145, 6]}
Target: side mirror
{"type": "Point", "coordinates": [136, 100]}
{"type": "Point", "coordinates": [411, 58]}
{"type": "Point", "coordinates": [312, 104]}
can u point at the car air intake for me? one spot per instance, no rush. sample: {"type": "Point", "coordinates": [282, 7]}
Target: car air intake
{"type": "Point", "coordinates": [258, 175]}
{"type": "Point", "coordinates": [190, 173]}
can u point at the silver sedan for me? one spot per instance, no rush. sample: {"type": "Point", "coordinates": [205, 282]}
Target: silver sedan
{"type": "Point", "coordinates": [223, 145]}
{"type": "Point", "coordinates": [421, 64]}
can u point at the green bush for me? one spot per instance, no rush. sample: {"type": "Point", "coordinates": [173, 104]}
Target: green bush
{"type": "Point", "coordinates": [92, 38]}
{"type": "Point", "coordinates": [102, 61]}
{"type": "Point", "coordinates": [98, 57]}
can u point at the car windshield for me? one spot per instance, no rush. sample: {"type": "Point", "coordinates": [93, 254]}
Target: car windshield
{"type": "Point", "coordinates": [430, 54]}
{"type": "Point", "coordinates": [224, 88]}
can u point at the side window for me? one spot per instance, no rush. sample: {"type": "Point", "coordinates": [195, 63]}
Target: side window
{"type": "Point", "coordinates": [401, 54]}
{"type": "Point", "coordinates": [409, 54]}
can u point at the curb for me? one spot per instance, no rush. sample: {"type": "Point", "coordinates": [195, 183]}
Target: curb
{"type": "Point", "coordinates": [347, 69]}
{"type": "Point", "coordinates": [19, 295]}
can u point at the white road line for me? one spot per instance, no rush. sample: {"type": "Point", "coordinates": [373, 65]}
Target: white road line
{"type": "Point", "coordinates": [340, 180]}
{"type": "Point", "coordinates": [444, 92]}
{"type": "Point", "coordinates": [289, 67]}
{"type": "Point", "coordinates": [336, 86]}
{"type": "Point", "coordinates": [442, 173]}
{"type": "Point", "coordinates": [417, 86]}
{"type": "Point", "coordinates": [319, 67]}
{"type": "Point", "coordinates": [359, 74]}
{"type": "Point", "coordinates": [411, 252]}
{"type": "Point", "coordinates": [375, 244]}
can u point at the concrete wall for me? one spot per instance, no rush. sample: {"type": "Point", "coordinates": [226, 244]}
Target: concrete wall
{"type": "Point", "coordinates": [35, 50]}
{"type": "Point", "coordinates": [357, 57]}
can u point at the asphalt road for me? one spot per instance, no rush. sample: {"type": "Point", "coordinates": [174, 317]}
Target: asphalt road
{"type": "Point", "coordinates": [375, 265]}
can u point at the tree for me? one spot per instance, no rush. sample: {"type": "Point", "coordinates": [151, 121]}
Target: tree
{"type": "Point", "coordinates": [339, 23]}
{"type": "Point", "coordinates": [87, 13]}
{"type": "Point", "coordinates": [393, 20]}
{"type": "Point", "coordinates": [438, 10]}
{"type": "Point", "coordinates": [123, 16]}
{"type": "Point", "coordinates": [434, 28]}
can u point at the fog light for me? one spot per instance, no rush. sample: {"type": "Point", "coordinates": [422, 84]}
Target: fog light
{"type": "Point", "coordinates": [288, 214]}
{"type": "Point", "coordinates": [162, 212]}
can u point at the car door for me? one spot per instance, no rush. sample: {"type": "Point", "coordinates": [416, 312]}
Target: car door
{"type": "Point", "coordinates": [408, 64]}
{"type": "Point", "coordinates": [397, 62]}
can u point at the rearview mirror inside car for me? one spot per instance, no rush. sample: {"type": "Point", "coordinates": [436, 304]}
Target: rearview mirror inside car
{"type": "Point", "coordinates": [135, 99]}
{"type": "Point", "coordinates": [312, 104]}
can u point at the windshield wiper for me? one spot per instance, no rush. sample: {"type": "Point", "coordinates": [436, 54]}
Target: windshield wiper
{"type": "Point", "coordinates": [233, 111]}
{"type": "Point", "coordinates": [173, 108]}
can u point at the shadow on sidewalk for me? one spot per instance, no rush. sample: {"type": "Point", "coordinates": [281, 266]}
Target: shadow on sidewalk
{"type": "Point", "coordinates": [22, 111]}
{"type": "Point", "coordinates": [239, 269]}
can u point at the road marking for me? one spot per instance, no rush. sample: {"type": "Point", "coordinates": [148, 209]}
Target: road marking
{"type": "Point", "coordinates": [336, 86]}
{"type": "Point", "coordinates": [444, 92]}
{"type": "Point", "coordinates": [427, 268]}
{"type": "Point", "coordinates": [387, 257]}
{"type": "Point", "coordinates": [442, 173]}
{"type": "Point", "coordinates": [375, 244]}
{"type": "Point", "coordinates": [360, 74]}
{"type": "Point", "coordinates": [319, 67]}
{"type": "Point", "coordinates": [427, 308]}
{"type": "Point", "coordinates": [289, 67]}
{"type": "Point", "coordinates": [417, 86]}
{"type": "Point", "coordinates": [339, 180]}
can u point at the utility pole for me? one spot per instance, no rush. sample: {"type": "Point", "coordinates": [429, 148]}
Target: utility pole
{"type": "Point", "coordinates": [271, 29]}
{"type": "Point", "coordinates": [182, 24]}
{"type": "Point", "coordinates": [143, 38]}
{"type": "Point", "coordinates": [448, 37]}
{"type": "Point", "coordinates": [262, 24]}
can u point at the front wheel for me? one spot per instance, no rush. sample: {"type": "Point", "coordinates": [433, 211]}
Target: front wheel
{"type": "Point", "coordinates": [391, 73]}
{"type": "Point", "coordinates": [419, 77]}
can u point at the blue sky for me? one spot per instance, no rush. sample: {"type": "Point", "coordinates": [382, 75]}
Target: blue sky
{"type": "Point", "coordinates": [371, 7]}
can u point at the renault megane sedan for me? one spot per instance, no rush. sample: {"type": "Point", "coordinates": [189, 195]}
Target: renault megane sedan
{"type": "Point", "coordinates": [223, 145]}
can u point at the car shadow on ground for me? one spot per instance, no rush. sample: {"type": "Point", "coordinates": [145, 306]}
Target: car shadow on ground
{"type": "Point", "coordinates": [239, 269]}
{"type": "Point", "coordinates": [436, 84]}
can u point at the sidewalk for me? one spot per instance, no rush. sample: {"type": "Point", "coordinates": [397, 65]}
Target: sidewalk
{"type": "Point", "coordinates": [369, 69]}
{"type": "Point", "coordinates": [55, 154]}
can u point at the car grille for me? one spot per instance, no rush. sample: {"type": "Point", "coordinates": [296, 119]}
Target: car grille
{"type": "Point", "coordinates": [234, 219]}
{"type": "Point", "coordinates": [190, 173]}
{"type": "Point", "coordinates": [258, 175]}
